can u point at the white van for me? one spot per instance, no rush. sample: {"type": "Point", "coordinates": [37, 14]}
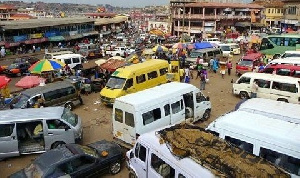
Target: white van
{"type": "Point", "coordinates": [226, 48]}
{"type": "Point", "coordinates": [289, 61]}
{"type": "Point", "coordinates": [215, 41]}
{"type": "Point", "coordinates": [235, 48]}
{"type": "Point", "coordinates": [147, 110]}
{"type": "Point", "coordinates": [73, 60]}
{"type": "Point", "coordinates": [275, 109]}
{"type": "Point", "coordinates": [191, 152]}
{"type": "Point", "coordinates": [37, 130]}
{"type": "Point", "coordinates": [270, 86]}
{"type": "Point", "coordinates": [275, 140]}
{"type": "Point", "coordinates": [288, 54]}
{"type": "Point", "coordinates": [54, 54]}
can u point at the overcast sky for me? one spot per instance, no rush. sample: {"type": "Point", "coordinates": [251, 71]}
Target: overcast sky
{"type": "Point", "coordinates": [120, 3]}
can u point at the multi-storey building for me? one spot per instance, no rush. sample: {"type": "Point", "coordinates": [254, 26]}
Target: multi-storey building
{"type": "Point", "coordinates": [273, 12]}
{"type": "Point", "coordinates": [6, 11]}
{"type": "Point", "coordinates": [193, 18]}
{"type": "Point", "coordinates": [291, 15]}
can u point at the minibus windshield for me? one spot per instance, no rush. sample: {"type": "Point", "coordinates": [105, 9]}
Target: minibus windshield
{"type": "Point", "coordinates": [225, 48]}
{"type": "Point", "coordinates": [245, 63]}
{"type": "Point", "coordinates": [196, 54]}
{"type": "Point", "coordinates": [115, 83]}
{"type": "Point", "coordinates": [69, 117]}
{"type": "Point", "coordinates": [21, 101]}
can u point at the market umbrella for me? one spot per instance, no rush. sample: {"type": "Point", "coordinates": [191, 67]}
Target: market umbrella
{"type": "Point", "coordinates": [45, 65]}
{"type": "Point", "coordinates": [179, 46]}
{"type": "Point", "coordinates": [117, 58]}
{"type": "Point", "coordinates": [4, 81]}
{"type": "Point", "coordinates": [29, 81]}
{"type": "Point", "coordinates": [191, 46]}
{"type": "Point", "coordinates": [159, 48]}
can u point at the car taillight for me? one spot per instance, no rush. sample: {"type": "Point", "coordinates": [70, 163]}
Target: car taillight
{"type": "Point", "coordinates": [137, 136]}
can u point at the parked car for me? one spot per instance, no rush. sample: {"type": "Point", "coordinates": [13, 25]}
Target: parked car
{"type": "Point", "coordinates": [74, 160]}
{"type": "Point", "coordinates": [17, 69]}
{"type": "Point", "coordinates": [31, 60]}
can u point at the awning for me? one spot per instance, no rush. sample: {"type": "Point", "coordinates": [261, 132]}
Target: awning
{"type": "Point", "coordinates": [257, 24]}
{"type": "Point", "coordinates": [2, 43]}
{"type": "Point", "coordinates": [242, 24]}
{"type": "Point", "coordinates": [91, 33]}
{"type": "Point", "coordinates": [297, 24]}
{"type": "Point", "coordinates": [106, 32]}
{"type": "Point", "coordinates": [7, 45]}
{"type": "Point", "coordinates": [73, 37]}
{"type": "Point", "coordinates": [34, 41]}
{"type": "Point", "coordinates": [56, 38]}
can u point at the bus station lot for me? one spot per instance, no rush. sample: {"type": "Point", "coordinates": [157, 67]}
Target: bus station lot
{"type": "Point", "coordinates": [97, 118]}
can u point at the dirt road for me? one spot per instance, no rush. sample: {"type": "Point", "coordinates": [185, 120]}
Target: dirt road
{"type": "Point", "coordinates": [97, 118]}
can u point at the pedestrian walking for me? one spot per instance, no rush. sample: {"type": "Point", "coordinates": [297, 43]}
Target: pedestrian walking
{"type": "Point", "coordinates": [186, 75]}
{"type": "Point", "coordinates": [33, 48]}
{"type": "Point", "coordinates": [202, 81]}
{"type": "Point", "coordinates": [215, 65]}
{"type": "Point", "coordinates": [254, 89]}
{"type": "Point", "coordinates": [2, 51]}
{"type": "Point", "coordinates": [229, 67]}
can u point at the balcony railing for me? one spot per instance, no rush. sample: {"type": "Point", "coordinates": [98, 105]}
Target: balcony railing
{"type": "Point", "coordinates": [216, 17]}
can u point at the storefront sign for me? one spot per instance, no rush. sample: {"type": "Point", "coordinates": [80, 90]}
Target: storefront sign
{"type": "Point", "coordinates": [20, 38]}
{"type": "Point", "coordinates": [36, 35]}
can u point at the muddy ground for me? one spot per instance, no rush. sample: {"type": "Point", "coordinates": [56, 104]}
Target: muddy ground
{"type": "Point", "coordinates": [97, 118]}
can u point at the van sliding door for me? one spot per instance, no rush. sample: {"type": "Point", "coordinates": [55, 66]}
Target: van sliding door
{"type": "Point", "coordinates": [177, 110]}
{"type": "Point", "coordinates": [8, 140]}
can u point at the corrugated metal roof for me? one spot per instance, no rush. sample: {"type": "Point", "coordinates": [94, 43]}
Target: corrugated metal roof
{"type": "Point", "coordinates": [104, 21]}
{"type": "Point", "coordinates": [35, 23]}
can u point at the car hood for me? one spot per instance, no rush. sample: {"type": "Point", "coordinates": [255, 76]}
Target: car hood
{"type": "Point", "coordinates": [19, 174]}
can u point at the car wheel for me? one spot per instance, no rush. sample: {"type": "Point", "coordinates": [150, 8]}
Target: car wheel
{"type": "Point", "coordinates": [115, 168]}
{"type": "Point", "coordinates": [132, 175]}
{"type": "Point", "coordinates": [57, 145]}
{"type": "Point", "coordinates": [70, 106]}
{"type": "Point", "coordinates": [206, 115]}
{"type": "Point", "coordinates": [244, 95]}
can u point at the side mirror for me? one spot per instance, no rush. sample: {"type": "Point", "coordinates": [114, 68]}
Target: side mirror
{"type": "Point", "coordinates": [207, 98]}
{"type": "Point", "coordinates": [131, 155]}
{"type": "Point", "coordinates": [67, 128]}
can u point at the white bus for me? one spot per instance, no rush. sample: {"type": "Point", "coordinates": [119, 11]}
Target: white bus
{"type": "Point", "coordinates": [273, 139]}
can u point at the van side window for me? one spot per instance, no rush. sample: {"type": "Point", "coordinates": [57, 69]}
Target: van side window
{"type": "Point", "coordinates": [140, 152]}
{"type": "Point", "coordinates": [152, 75]}
{"type": "Point", "coordinates": [151, 116]}
{"type": "Point", "coordinates": [76, 60]}
{"type": "Point", "coordinates": [56, 124]}
{"type": "Point", "coordinates": [176, 107]}
{"type": "Point", "coordinates": [6, 130]}
{"type": "Point", "coordinates": [140, 79]}
{"type": "Point", "coordinates": [210, 53]}
{"type": "Point", "coordinates": [67, 91]}
{"type": "Point", "coordinates": [285, 87]}
{"type": "Point", "coordinates": [129, 119]}
{"type": "Point", "coordinates": [217, 52]}
{"type": "Point", "coordinates": [119, 115]}
{"type": "Point", "coordinates": [181, 176]}
{"type": "Point", "coordinates": [163, 71]}
{"type": "Point", "coordinates": [241, 144]}
{"type": "Point", "coordinates": [244, 80]}
{"type": "Point", "coordinates": [67, 61]}
{"type": "Point", "coordinates": [52, 95]}
{"type": "Point", "coordinates": [161, 167]}
{"type": "Point", "coordinates": [129, 83]}
{"type": "Point", "coordinates": [291, 164]}
{"type": "Point", "coordinates": [284, 72]}
{"type": "Point", "coordinates": [268, 70]}
{"type": "Point", "coordinates": [263, 83]}
{"type": "Point", "coordinates": [167, 109]}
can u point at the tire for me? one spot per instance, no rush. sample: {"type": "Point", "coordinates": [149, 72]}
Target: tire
{"type": "Point", "coordinates": [132, 175]}
{"type": "Point", "coordinates": [69, 105]}
{"type": "Point", "coordinates": [57, 145]}
{"type": "Point", "coordinates": [244, 95]}
{"type": "Point", "coordinates": [117, 54]}
{"type": "Point", "coordinates": [115, 168]}
{"type": "Point", "coordinates": [206, 115]}
{"type": "Point", "coordinates": [282, 99]}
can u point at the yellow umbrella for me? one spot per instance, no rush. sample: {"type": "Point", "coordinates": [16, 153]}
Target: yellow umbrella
{"type": "Point", "coordinates": [159, 48]}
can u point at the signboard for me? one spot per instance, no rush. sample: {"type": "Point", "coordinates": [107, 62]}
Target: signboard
{"type": "Point", "coordinates": [36, 35]}
{"type": "Point", "coordinates": [20, 38]}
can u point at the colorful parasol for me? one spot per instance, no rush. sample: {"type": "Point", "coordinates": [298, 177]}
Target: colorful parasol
{"type": "Point", "coordinates": [179, 46]}
{"type": "Point", "coordinates": [29, 81]}
{"type": "Point", "coordinates": [4, 81]}
{"type": "Point", "coordinates": [159, 48]}
{"type": "Point", "coordinates": [45, 65]}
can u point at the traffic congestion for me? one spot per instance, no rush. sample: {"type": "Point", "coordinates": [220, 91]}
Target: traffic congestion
{"type": "Point", "coordinates": [146, 104]}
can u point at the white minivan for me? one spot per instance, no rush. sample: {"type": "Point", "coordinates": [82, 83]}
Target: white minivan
{"type": "Point", "coordinates": [73, 60]}
{"type": "Point", "coordinates": [276, 109]}
{"type": "Point", "coordinates": [160, 106]}
{"type": "Point", "coordinates": [275, 140]}
{"type": "Point", "coordinates": [37, 130]}
{"type": "Point", "coordinates": [270, 86]}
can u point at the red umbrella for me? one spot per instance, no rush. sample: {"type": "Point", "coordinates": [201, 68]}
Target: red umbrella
{"type": "Point", "coordinates": [4, 81]}
{"type": "Point", "coordinates": [29, 81]}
